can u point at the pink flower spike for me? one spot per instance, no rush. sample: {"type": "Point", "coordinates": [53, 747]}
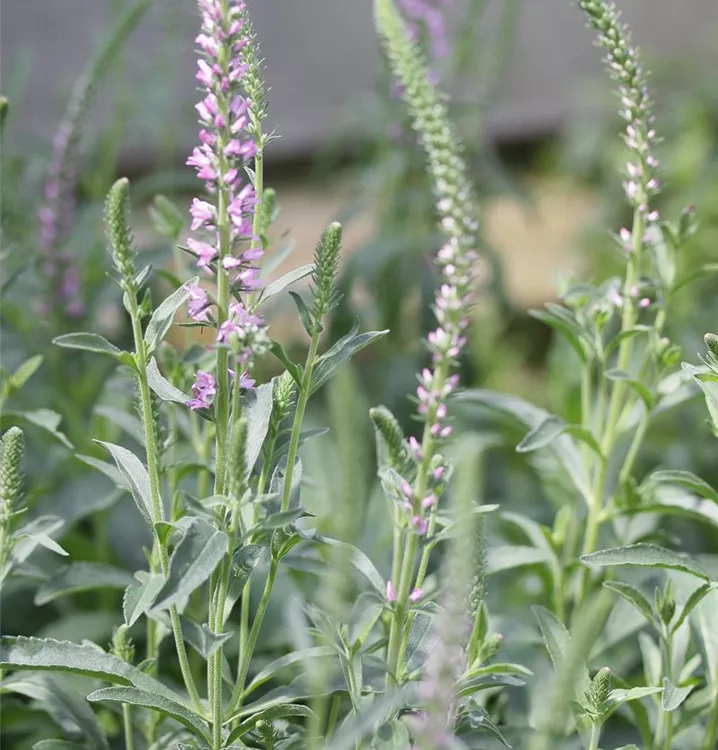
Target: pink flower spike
{"type": "Point", "coordinates": [645, 302]}
{"type": "Point", "coordinates": [416, 595]}
{"type": "Point", "coordinates": [390, 593]}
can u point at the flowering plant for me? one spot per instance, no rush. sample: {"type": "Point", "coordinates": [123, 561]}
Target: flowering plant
{"type": "Point", "coordinates": [407, 658]}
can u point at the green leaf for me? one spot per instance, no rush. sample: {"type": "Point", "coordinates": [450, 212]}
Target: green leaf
{"type": "Point", "coordinates": [291, 367]}
{"type": "Point", "coordinates": [106, 468]}
{"type": "Point", "coordinates": [36, 533]}
{"type": "Point", "coordinates": [88, 660]}
{"type": "Point", "coordinates": [89, 342]}
{"type": "Point", "coordinates": [81, 576]}
{"type": "Point", "coordinates": [688, 480]}
{"type": "Point", "coordinates": [138, 599]}
{"type": "Point", "coordinates": [283, 711]}
{"type": "Point", "coordinates": [558, 642]}
{"type": "Point", "coordinates": [623, 335]}
{"type": "Point", "coordinates": [192, 562]}
{"type": "Point", "coordinates": [161, 386]}
{"type": "Point", "coordinates": [258, 413]}
{"type": "Point", "coordinates": [506, 557]}
{"type": "Point", "coordinates": [279, 665]}
{"type": "Point", "coordinates": [673, 696]}
{"type": "Point", "coordinates": [622, 696]}
{"type": "Point", "coordinates": [57, 745]}
{"type": "Point", "coordinates": [359, 560]}
{"type": "Point", "coordinates": [635, 597]}
{"type": "Point", "coordinates": [136, 476]}
{"type": "Point", "coordinates": [641, 390]}
{"type": "Point", "coordinates": [163, 316]}
{"type": "Point", "coordinates": [26, 370]}
{"type": "Point", "coordinates": [65, 706]}
{"type": "Point", "coordinates": [486, 682]}
{"type": "Point", "coordinates": [693, 601]}
{"type": "Point", "coordinates": [129, 423]}
{"type": "Point", "coordinates": [305, 314]}
{"type": "Point", "coordinates": [569, 329]}
{"type": "Point", "coordinates": [46, 419]}
{"type": "Point", "coordinates": [391, 736]}
{"type": "Point", "coordinates": [344, 349]}
{"type": "Point", "coordinates": [167, 706]}
{"type": "Point", "coordinates": [563, 449]}
{"type": "Point", "coordinates": [284, 281]}
{"type": "Point", "coordinates": [646, 556]}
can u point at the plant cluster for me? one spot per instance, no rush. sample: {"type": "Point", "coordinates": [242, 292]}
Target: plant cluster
{"type": "Point", "coordinates": [416, 647]}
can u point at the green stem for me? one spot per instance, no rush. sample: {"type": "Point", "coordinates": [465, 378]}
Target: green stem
{"type": "Point", "coordinates": [710, 741]}
{"type": "Point", "coordinates": [616, 402]}
{"type": "Point", "coordinates": [245, 657]}
{"type": "Point", "coordinates": [159, 549]}
{"type": "Point", "coordinates": [127, 724]}
{"type": "Point", "coordinates": [406, 576]}
{"type": "Point", "coordinates": [299, 416]}
{"type": "Point", "coordinates": [595, 737]}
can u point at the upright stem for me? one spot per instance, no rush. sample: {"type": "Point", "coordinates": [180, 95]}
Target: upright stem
{"type": "Point", "coordinates": [127, 725]}
{"type": "Point", "coordinates": [302, 400]}
{"type": "Point", "coordinates": [595, 737]}
{"type": "Point", "coordinates": [406, 576]}
{"type": "Point", "coordinates": [616, 401]}
{"type": "Point", "coordinates": [159, 549]}
{"type": "Point", "coordinates": [710, 740]}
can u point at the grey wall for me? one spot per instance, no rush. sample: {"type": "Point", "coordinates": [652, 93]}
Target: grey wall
{"type": "Point", "coordinates": [321, 55]}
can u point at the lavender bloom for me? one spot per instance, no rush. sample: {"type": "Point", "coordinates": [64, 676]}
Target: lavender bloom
{"type": "Point", "coordinates": [204, 390]}
{"type": "Point", "coordinates": [56, 215]}
{"type": "Point", "coordinates": [425, 19]}
{"type": "Point", "coordinates": [226, 117]}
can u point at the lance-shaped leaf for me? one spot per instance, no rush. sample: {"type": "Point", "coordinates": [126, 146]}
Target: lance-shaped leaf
{"type": "Point", "coordinates": [646, 556]}
{"type": "Point", "coordinates": [278, 665]}
{"type": "Point", "coordinates": [138, 599]}
{"type": "Point", "coordinates": [88, 660]}
{"type": "Point", "coordinates": [65, 706]}
{"type": "Point", "coordinates": [688, 480]}
{"type": "Point", "coordinates": [157, 702]}
{"type": "Point", "coordinates": [37, 533]}
{"type": "Point", "coordinates": [136, 476]}
{"type": "Point", "coordinates": [161, 386]}
{"type": "Point", "coordinates": [506, 557]}
{"type": "Point", "coordinates": [88, 342]}
{"type": "Point", "coordinates": [284, 281]}
{"type": "Point", "coordinates": [258, 412]}
{"type": "Point", "coordinates": [673, 696]}
{"type": "Point", "coordinates": [163, 316]}
{"type": "Point", "coordinates": [192, 562]}
{"type": "Point", "coordinates": [635, 597]}
{"type": "Point", "coordinates": [46, 419]}
{"type": "Point", "coordinates": [81, 576]}
{"type": "Point", "coordinates": [343, 350]}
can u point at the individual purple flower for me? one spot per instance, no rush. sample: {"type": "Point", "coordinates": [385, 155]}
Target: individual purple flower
{"type": "Point", "coordinates": [204, 390]}
{"type": "Point", "coordinates": [425, 20]}
{"type": "Point", "coordinates": [198, 305]}
{"type": "Point", "coordinates": [205, 253]}
{"type": "Point", "coordinates": [416, 595]}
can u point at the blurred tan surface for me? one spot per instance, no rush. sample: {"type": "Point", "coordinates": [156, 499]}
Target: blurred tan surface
{"type": "Point", "coordinates": [536, 239]}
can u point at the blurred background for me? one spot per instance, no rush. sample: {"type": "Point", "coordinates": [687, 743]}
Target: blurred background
{"type": "Point", "coordinates": [538, 120]}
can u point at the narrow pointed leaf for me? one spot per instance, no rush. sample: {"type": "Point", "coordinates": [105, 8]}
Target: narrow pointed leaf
{"type": "Point", "coordinates": [506, 557]}
{"type": "Point", "coordinates": [81, 576]}
{"type": "Point", "coordinates": [284, 281]}
{"type": "Point", "coordinates": [161, 386]}
{"type": "Point", "coordinates": [192, 562]}
{"type": "Point", "coordinates": [693, 601]}
{"type": "Point", "coordinates": [635, 597]}
{"type": "Point", "coordinates": [89, 342]}
{"type": "Point", "coordinates": [47, 654]}
{"type": "Point", "coordinates": [646, 556]}
{"type": "Point", "coordinates": [284, 711]}
{"type": "Point", "coordinates": [46, 419]}
{"type": "Point", "coordinates": [673, 696]}
{"type": "Point", "coordinates": [688, 480]}
{"type": "Point", "coordinates": [622, 696]}
{"type": "Point", "coordinates": [138, 697]}
{"type": "Point", "coordinates": [333, 359]}
{"type": "Point", "coordinates": [136, 476]}
{"type": "Point", "coordinates": [258, 413]}
{"type": "Point", "coordinates": [139, 598]}
{"type": "Point", "coordinates": [278, 665]}
{"type": "Point", "coordinates": [163, 316]}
